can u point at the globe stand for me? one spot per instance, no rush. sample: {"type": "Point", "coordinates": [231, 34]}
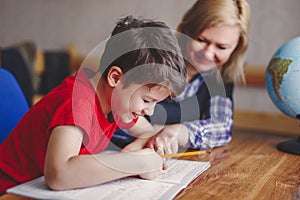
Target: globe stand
{"type": "Point", "coordinates": [291, 146]}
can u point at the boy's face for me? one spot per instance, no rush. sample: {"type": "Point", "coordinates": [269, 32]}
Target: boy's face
{"type": "Point", "coordinates": [136, 100]}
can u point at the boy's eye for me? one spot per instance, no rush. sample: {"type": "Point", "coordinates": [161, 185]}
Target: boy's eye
{"type": "Point", "coordinates": [200, 40]}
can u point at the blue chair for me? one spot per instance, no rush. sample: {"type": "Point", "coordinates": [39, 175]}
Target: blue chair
{"type": "Point", "coordinates": [13, 104]}
{"type": "Point", "coordinates": [13, 61]}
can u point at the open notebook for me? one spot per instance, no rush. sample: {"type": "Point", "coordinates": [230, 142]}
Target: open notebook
{"type": "Point", "coordinates": [169, 183]}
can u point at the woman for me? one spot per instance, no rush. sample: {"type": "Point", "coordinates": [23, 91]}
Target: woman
{"type": "Point", "coordinates": [214, 38]}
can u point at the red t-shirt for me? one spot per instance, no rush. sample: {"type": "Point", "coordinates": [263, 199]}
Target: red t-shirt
{"type": "Point", "coordinates": [73, 102]}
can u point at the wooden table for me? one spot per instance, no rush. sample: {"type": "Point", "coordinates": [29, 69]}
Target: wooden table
{"type": "Point", "coordinates": [250, 167]}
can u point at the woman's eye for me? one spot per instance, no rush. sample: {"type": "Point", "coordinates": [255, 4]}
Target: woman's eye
{"type": "Point", "coordinates": [222, 48]}
{"type": "Point", "coordinates": [146, 101]}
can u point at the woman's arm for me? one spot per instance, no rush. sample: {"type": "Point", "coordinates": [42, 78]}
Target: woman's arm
{"type": "Point", "coordinates": [216, 130]}
{"type": "Point", "coordinates": [65, 169]}
{"type": "Point", "coordinates": [199, 134]}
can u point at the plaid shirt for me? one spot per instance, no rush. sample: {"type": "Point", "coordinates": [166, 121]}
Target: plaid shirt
{"type": "Point", "coordinates": [214, 131]}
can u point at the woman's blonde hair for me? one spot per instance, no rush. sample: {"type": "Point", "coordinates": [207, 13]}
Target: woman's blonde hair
{"type": "Point", "coordinates": [210, 13]}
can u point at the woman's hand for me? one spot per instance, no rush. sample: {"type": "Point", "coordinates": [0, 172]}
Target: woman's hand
{"type": "Point", "coordinates": [168, 139]}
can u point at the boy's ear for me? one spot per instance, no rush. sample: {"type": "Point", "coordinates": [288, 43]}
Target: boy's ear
{"type": "Point", "coordinates": [114, 75]}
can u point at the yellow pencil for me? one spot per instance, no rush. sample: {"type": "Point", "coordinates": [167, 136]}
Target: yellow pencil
{"type": "Point", "coordinates": [190, 153]}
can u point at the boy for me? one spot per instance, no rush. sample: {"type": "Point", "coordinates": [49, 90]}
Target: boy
{"type": "Point", "coordinates": [63, 135]}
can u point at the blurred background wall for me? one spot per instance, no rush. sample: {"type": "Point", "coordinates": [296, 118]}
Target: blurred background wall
{"type": "Point", "coordinates": [54, 24]}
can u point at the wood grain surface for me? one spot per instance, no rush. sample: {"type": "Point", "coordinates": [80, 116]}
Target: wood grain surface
{"type": "Point", "coordinates": [250, 167]}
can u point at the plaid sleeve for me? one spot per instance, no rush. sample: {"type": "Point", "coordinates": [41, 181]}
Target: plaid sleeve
{"type": "Point", "coordinates": [214, 131]}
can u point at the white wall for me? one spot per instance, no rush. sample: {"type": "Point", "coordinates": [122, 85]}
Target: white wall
{"type": "Point", "coordinates": [274, 22]}
{"type": "Point", "coordinates": [54, 24]}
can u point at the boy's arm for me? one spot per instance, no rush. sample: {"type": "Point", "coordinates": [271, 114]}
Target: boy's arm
{"type": "Point", "coordinates": [143, 131]}
{"type": "Point", "coordinates": [63, 165]}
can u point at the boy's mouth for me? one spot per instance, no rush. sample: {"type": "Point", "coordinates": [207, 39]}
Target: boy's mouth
{"type": "Point", "coordinates": [135, 115]}
{"type": "Point", "coordinates": [130, 116]}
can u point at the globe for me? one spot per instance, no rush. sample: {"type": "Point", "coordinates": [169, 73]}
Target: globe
{"type": "Point", "coordinates": [283, 85]}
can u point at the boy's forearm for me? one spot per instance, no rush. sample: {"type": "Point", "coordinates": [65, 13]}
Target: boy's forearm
{"type": "Point", "coordinates": [81, 171]}
{"type": "Point", "coordinates": [137, 144]}
{"type": "Point", "coordinates": [143, 131]}
{"type": "Point", "coordinates": [96, 169]}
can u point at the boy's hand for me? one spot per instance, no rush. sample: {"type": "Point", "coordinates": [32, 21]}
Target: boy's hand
{"type": "Point", "coordinates": [150, 175]}
{"type": "Point", "coordinates": [154, 163]}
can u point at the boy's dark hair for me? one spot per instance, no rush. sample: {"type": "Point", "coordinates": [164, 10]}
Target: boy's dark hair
{"type": "Point", "coordinates": [147, 52]}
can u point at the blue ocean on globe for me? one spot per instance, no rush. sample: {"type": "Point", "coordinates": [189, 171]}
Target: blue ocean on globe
{"type": "Point", "coordinates": [283, 78]}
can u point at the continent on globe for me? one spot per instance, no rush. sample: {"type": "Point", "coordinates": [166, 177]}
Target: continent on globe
{"type": "Point", "coordinates": [278, 67]}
